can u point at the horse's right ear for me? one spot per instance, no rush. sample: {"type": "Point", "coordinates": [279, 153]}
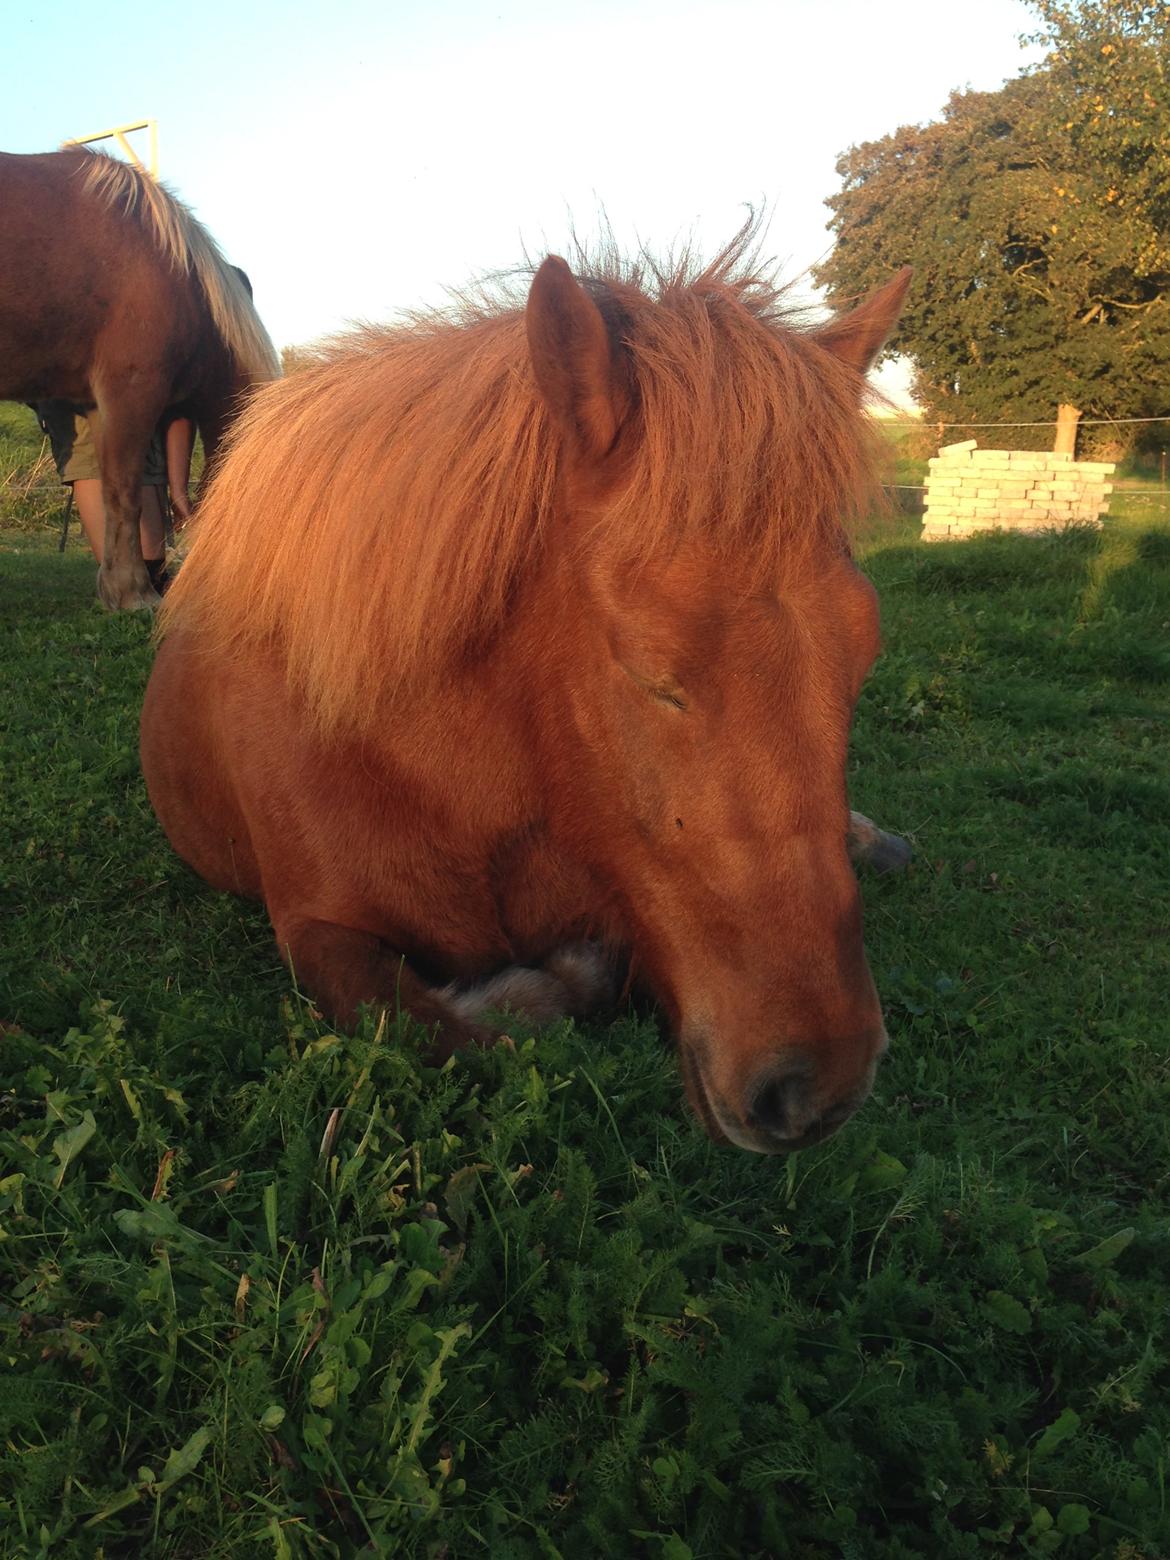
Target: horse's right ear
{"type": "Point", "coordinates": [857, 337]}
{"type": "Point", "coordinates": [573, 359]}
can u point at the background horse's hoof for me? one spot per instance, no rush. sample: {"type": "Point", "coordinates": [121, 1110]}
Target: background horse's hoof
{"type": "Point", "coordinates": [872, 847]}
{"type": "Point", "coordinates": [127, 591]}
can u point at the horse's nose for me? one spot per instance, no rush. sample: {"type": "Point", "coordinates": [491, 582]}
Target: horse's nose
{"type": "Point", "coordinates": [779, 1101]}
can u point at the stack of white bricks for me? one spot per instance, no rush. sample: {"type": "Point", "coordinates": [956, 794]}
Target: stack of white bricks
{"type": "Point", "coordinates": [969, 490]}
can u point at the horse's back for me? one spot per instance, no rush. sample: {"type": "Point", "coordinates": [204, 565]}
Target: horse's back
{"type": "Point", "coordinates": [42, 199]}
{"type": "Point", "coordinates": [71, 272]}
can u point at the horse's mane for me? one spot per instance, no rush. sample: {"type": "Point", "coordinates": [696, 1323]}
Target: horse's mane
{"type": "Point", "coordinates": [190, 248]}
{"type": "Point", "coordinates": [378, 507]}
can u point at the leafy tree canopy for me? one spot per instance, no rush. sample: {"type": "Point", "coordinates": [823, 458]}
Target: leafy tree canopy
{"type": "Point", "coordinates": [1038, 220]}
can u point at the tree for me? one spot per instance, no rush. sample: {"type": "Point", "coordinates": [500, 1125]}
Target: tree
{"type": "Point", "coordinates": [1038, 220]}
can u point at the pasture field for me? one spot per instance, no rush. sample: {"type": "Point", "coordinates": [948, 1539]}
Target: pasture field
{"type": "Point", "coordinates": [30, 494]}
{"type": "Point", "coordinates": [268, 1290]}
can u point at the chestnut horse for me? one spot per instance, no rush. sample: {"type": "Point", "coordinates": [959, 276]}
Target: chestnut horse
{"type": "Point", "coordinates": [516, 634]}
{"type": "Point", "coordinates": [113, 296]}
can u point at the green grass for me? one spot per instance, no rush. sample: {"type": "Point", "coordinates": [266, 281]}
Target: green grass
{"type": "Point", "coordinates": [266, 1290]}
{"type": "Point", "coordinates": [30, 494]}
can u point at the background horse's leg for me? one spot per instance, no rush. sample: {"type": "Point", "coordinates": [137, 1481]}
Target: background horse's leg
{"type": "Point", "coordinates": [123, 580]}
{"type": "Point", "coordinates": [872, 847]}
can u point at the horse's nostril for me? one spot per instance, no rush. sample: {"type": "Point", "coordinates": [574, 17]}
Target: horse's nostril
{"type": "Point", "coordinates": [779, 1103]}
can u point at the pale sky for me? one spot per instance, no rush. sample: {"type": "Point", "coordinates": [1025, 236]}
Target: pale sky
{"type": "Point", "coordinates": [357, 157]}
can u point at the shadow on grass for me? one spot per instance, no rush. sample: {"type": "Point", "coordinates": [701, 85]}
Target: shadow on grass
{"type": "Point", "coordinates": [1094, 602]}
{"type": "Point", "coordinates": [37, 582]}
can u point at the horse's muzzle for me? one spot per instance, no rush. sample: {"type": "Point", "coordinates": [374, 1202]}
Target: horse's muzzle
{"type": "Point", "coordinates": [782, 1109]}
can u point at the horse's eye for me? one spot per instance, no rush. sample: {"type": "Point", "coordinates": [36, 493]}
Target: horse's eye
{"type": "Point", "coordinates": [662, 688]}
{"type": "Point", "coordinates": [670, 694]}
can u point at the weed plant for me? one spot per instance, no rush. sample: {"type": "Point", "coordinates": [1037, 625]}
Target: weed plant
{"type": "Point", "coordinates": [270, 1290]}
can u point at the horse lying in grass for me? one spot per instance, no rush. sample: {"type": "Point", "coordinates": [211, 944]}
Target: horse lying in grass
{"type": "Point", "coordinates": [516, 635]}
{"type": "Point", "coordinates": [113, 296]}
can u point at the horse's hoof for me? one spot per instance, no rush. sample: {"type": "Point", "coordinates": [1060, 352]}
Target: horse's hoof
{"type": "Point", "coordinates": [890, 854]}
{"type": "Point", "coordinates": [136, 601]}
{"type": "Point", "coordinates": [872, 847]}
{"type": "Point", "coordinates": [127, 594]}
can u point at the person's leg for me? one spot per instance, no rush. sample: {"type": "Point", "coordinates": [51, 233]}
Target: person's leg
{"type": "Point", "coordinates": [87, 500]}
{"type": "Point", "coordinates": [179, 444]}
{"type": "Point", "coordinates": [71, 439]}
{"type": "Point", "coordinates": [152, 533]}
{"type": "Point", "coordinates": [151, 528]}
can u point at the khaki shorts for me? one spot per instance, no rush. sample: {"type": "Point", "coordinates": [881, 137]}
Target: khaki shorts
{"type": "Point", "coordinates": [71, 437]}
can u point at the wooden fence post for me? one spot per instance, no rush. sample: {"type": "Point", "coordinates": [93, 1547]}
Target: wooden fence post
{"type": "Point", "coordinates": [1067, 418]}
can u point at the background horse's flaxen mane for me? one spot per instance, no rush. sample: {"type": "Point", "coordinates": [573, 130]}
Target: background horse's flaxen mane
{"type": "Point", "coordinates": [378, 507]}
{"type": "Point", "coordinates": [190, 249]}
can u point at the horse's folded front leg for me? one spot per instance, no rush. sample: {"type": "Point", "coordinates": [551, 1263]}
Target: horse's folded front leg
{"type": "Point", "coordinates": [343, 969]}
{"type": "Point", "coordinates": [573, 982]}
{"type": "Point", "coordinates": [872, 847]}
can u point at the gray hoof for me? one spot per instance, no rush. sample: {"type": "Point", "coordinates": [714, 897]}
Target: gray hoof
{"type": "Point", "coordinates": [872, 847]}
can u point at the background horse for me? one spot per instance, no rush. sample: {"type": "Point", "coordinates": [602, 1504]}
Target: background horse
{"type": "Point", "coordinates": [112, 295]}
{"type": "Point", "coordinates": [552, 635]}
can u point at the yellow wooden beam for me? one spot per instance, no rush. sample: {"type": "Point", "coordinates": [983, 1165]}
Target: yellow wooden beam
{"type": "Point", "coordinates": [119, 133]}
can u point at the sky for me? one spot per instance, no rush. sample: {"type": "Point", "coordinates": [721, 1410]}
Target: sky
{"type": "Point", "coordinates": [357, 157]}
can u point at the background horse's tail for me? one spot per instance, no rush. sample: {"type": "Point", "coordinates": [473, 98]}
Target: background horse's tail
{"type": "Point", "coordinates": [190, 248]}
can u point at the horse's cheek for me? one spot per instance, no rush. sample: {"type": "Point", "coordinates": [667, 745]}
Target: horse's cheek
{"type": "Point", "coordinates": [658, 775]}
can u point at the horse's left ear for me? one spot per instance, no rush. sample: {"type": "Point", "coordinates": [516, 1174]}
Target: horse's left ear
{"type": "Point", "coordinates": [573, 359]}
{"type": "Point", "coordinates": [857, 337]}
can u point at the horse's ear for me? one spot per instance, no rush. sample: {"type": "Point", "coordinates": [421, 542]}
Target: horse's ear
{"type": "Point", "coordinates": [857, 337]}
{"type": "Point", "coordinates": [573, 360]}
